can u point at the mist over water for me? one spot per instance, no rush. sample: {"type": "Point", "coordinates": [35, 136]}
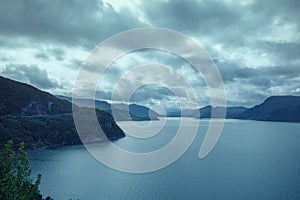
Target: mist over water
{"type": "Point", "coordinates": [252, 160]}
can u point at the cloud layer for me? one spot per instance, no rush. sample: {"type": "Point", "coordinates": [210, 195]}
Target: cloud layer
{"type": "Point", "coordinates": [255, 44]}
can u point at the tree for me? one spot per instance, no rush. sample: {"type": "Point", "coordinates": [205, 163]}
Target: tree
{"type": "Point", "coordinates": [15, 175]}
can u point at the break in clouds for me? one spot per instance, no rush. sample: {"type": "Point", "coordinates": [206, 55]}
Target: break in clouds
{"type": "Point", "coordinates": [255, 44]}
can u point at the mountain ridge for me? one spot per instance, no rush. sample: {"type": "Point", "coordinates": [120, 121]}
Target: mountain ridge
{"type": "Point", "coordinates": [275, 108]}
{"type": "Point", "coordinates": [18, 98]}
{"type": "Point", "coordinates": [284, 108]}
{"type": "Point", "coordinates": [40, 119]}
{"type": "Point", "coordinates": [119, 111]}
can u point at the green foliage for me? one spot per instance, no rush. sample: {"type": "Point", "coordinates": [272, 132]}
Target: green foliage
{"type": "Point", "coordinates": [40, 119]}
{"type": "Point", "coordinates": [22, 99]}
{"type": "Point", "coordinates": [51, 130]}
{"type": "Point", "coordinates": [15, 175]}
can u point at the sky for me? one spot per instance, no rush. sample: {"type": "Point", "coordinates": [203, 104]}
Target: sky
{"type": "Point", "coordinates": [255, 45]}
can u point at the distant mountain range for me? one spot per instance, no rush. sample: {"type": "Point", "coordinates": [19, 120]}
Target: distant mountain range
{"type": "Point", "coordinates": [231, 112]}
{"type": "Point", "coordinates": [41, 119]}
{"type": "Point", "coordinates": [122, 112]}
{"type": "Point", "coordinates": [206, 112]}
{"type": "Point", "coordinates": [274, 108]}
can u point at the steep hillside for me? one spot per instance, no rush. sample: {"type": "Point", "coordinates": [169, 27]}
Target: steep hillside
{"type": "Point", "coordinates": [275, 108]}
{"type": "Point", "coordinates": [22, 99]}
{"type": "Point", "coordinates": [41, 119]}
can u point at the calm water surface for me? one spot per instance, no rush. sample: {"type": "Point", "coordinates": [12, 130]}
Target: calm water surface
{"type": "Point", "coordinates": [252, 160]}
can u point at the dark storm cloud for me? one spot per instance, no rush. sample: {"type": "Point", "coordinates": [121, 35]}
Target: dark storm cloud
{"type": "Point", "coordinates": [71, 22]}
{"type": "Point", "coordinates": [191, 15]}
{"type": "Point", "coordinates": [233, 24]}
{"type": "Point", "coordinates": [75, 64]}
{"type": "Point", "coordinates": [213, 19]}
{"type": "Point", "coordinates": [232, 70]}
{"type": "Point", "coordinates": [89, 22]}
{"type": "Point", "coordinates": [269, 27]}
{"type": "Point", "coordinates": [58, 53]}
{"type": "Point", "coordinates": [30, 74]}
{"type": "Point", "coordinates": [3, 58]}
{"type": "Point", "coordinates": [286, 51]}
{"type": "Point", "coordinates": [251, 86]}
{"type": "Point", "coordinates": [289, 9]}
{"type": "Point", "coordinates": [42, 56]}
{"type": "Point", "coordinates": [51, 54]}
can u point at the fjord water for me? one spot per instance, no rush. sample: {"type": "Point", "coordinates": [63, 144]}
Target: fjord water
{"type": "Point", "coordinates": [252, 160]}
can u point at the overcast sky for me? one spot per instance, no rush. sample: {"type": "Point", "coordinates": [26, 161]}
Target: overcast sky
{"type": "Point", "coordinates": [254, 43]}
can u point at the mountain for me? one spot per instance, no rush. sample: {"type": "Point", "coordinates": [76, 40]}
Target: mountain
{"type": "Point", "coordinates": [205, 112]}
{"type": "Point", "coordinates": [183, 113]}
{"type": "Point", "coordinates": [136, 112]}
{"type": "Point", "coordinates": [275, 108]}
{"type": "Point", "coordinates": [231, 112]}
{"type": "Point", "coordinates": [41, 119]}
{"type": "Point", "coordinates": [22, 99]}
{"type": "Point", "coordinates": [101, 105]}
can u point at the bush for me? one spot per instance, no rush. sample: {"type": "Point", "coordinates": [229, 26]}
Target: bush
{"type": "Point", "coordinates": [15, 175]}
